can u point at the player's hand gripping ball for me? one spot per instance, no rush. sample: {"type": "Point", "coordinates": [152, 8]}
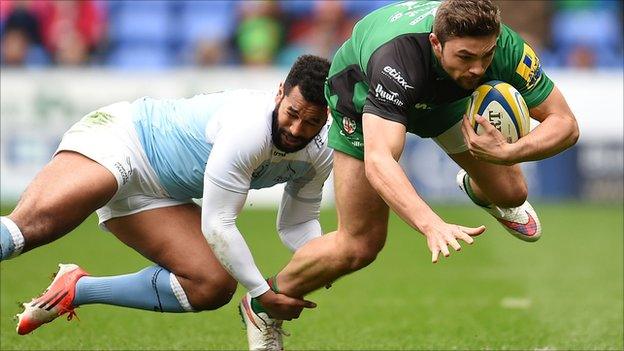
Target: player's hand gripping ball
{"type": "Point", "coordinates": [503, 106]}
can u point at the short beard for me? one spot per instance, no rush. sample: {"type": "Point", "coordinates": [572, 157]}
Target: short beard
{"type": "Point", "coordinates": [276, 136]}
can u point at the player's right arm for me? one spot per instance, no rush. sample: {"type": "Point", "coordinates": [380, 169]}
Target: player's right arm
{"type": "Point", "coordinates": [392, 89]}
{"type": "Point", "coordinates": [236, 152]}
{"type": "Point", "coordinates": [383, 144]}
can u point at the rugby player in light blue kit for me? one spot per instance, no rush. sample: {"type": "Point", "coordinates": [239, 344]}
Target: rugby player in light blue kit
{"type": "Point", "coordinates": [139, 164]}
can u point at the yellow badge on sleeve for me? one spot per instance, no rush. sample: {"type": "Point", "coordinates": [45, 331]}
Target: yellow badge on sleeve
{"type": "Point", "coordinates": [529, 67]}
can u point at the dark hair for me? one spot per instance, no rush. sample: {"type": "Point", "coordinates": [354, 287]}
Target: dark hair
{"type": "Point", "coordinates": [466, 18]}
{"type": "Point", "coordinates": [309, 72]}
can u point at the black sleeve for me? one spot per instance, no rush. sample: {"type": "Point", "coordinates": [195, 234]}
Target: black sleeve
{"type": "Point", "coordinates": [396, 75]}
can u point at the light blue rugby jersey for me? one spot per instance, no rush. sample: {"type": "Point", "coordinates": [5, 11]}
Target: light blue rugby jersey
{"type": "Point", "coordinates": [172, 133]}
{"type": "Point", "coordinates": [178, 137]}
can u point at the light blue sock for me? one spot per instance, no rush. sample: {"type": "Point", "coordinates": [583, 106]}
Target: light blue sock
{"type": "Point", "coordinates": [149, 289]}
{"type": "Point", "coordinates": [11, 239]}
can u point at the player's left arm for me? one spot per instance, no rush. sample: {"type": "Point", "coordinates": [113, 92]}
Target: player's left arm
{"type": "Point", "coordinates": [556, 132]}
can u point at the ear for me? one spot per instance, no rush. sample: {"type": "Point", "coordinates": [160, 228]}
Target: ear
{"type": "Point", "coordinates": [280, 93]}
{"type": "Point", "coordinates": [435, 44]}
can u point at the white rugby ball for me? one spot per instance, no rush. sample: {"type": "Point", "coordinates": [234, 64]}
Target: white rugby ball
{"type": "Point", "coordinates": [503, 106]}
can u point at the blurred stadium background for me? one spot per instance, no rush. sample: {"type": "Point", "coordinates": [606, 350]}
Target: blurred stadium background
{"type": "Point", "coordinates": [62, 59]}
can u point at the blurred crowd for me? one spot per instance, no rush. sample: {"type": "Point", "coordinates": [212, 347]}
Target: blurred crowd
{"type": "Point", "coordinates": [144, 34]}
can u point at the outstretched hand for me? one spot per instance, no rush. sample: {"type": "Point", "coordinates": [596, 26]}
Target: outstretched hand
{"type": "Point", "coordinates": [443, 234]}
{"type": "Point", "coordinates": [280, 306]}
{"type": "Point", "coordinates": [490, 146]}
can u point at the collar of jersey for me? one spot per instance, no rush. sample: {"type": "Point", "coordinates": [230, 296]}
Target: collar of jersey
{"type": "Point", "coordinates": [440, 72]}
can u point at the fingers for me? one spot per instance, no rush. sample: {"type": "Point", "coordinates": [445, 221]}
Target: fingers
{"type": "Point", "coordinates": [308, 304]}
{"type": "Point", "coordinates": [445, 251]}
{"type": "Point", "coordinates": [486, 125]}
{"type": "Point", "coordinates": [473, 231]}
{"type": "Point", "coordinates": [299, 303]}
{"type": "Point", "coordinates": [465, 237]}
{"type": "Point", "coordinates": [483, 122]}
{"type": "Point", "coordinates": [466, 127]}
{"type": "Point", "coordinates": [440, 244]}
{"type": "Point", "coordinates": [434, 255]}
{"type": "Point", "coordinates": [454, 244]}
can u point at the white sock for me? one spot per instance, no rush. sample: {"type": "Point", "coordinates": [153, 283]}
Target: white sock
{"type": "Point", "coordinates": [179, 293]}
{"type": "Point", "coordinates": [16, 235]}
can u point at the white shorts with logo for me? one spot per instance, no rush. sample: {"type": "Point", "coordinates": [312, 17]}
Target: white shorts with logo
{"type": "Point", "coordinates": [107, 136]}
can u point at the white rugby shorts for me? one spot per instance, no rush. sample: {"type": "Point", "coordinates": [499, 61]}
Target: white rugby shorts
{"type": "Point", "coordinates": [452, 140]}
{"type": "Point", "coordinates": [107, 136]}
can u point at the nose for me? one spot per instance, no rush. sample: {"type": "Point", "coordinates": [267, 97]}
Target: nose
{"type": "Point", "coordinates": [296, 129]}
{"type": "Point", "coordinates": [477, 69]}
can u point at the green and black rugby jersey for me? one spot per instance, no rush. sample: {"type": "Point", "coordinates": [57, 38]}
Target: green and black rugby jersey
{"type": "Point", "coordinates": [387, 68]}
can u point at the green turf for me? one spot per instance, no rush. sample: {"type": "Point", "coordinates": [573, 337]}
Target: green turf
{"type": "Point", "coordinates": [561, 293]}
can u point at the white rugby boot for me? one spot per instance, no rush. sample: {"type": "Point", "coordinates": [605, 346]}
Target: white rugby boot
{"type": "Point", "coordinates": [263, 332]}
{"type": "Point", "coordinates": [55, 301]}
{"type": "Point", "coordinates": [521, 222]}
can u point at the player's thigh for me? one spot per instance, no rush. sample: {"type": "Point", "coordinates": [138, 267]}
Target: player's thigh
{"type": "Point", "coordinates": [62, 195]}
{"type": "Point", "coordinates": [362, 213]}
{"type": "Point", "coordinates": [500, 183]}
{"type": "Point", "coordinates": [172, 237]}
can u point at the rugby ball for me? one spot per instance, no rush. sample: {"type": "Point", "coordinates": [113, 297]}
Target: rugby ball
{"type": "Point", "coordinates": [503, 106]}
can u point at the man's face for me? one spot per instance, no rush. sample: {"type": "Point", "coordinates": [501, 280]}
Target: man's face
{"type": "Point", "coordinates": [295, 121]}
{"type": "Point", "coordinates": [465, 59]}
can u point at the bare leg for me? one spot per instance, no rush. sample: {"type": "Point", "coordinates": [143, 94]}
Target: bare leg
{"type": "Point", "coordinates": [502, 185]}
{"type": "Point", "coordinates": [361, 234]}
{"type": "Point", "coordinates": [62, 196]}
{"type": "Point", "coordinates": [172, 238]}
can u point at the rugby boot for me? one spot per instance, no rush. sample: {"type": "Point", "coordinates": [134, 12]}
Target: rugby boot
{"type": "Point", "coordinates": [263, 332]}
{"type": "Point", "coordinates": [55, 301]}
{"type": "Point", "coordinates": [521, 222]}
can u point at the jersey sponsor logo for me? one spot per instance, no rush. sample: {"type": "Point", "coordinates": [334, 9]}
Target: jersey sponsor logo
{"type": "Point", "coordinates": [259, 171]}
{"type": "Point", "coordinates": [422, 106]}
{"type": "Point", "coordinates": [396, 76]}
{"type": "Point", "coordinates": [356, 143]}
{"type": "Point", "coordinates": [348, 125]}
{"type": "Point", "coordinates": [529, 68]}
{"type": "Point", "coordinates": [288, 175]}
{"type": "Point", "coordinates": [278, 153]}
{"type": "Point", "coordinates": [389, 96]}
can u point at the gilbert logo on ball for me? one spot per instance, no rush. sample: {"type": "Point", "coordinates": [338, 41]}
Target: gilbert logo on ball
{"type": "Point", "coordinates": [503, 106]}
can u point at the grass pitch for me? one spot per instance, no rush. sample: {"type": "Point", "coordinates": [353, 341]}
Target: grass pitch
{"type": "Point", "coordinates": [562, 293]}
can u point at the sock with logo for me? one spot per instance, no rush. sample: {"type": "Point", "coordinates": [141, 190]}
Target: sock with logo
{"type": "Point", "coordinates": [11, 239]}
{"type": "Point", "coordinates": [153, 288]}
{"type": "Point", "coordinates": [256, 306]}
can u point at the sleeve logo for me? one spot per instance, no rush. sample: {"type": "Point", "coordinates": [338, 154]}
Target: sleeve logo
{"type": "Point", "coordinates": [529, 67]}
{"type": "Point", "coordinates": [388, 96]}
{"type": "Point", "coordinates": [395, 74]}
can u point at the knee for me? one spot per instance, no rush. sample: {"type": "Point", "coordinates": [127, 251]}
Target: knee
{"type": "Point", "coordinates": [362, 250]}
{"type": "Point", "coordinates": [211, 293]}
{"type": "Point", "coordinates": [512, 195]}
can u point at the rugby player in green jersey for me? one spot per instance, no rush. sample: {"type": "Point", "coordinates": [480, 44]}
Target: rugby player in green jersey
{"type": "Point", "coordinates": [410, 67]}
